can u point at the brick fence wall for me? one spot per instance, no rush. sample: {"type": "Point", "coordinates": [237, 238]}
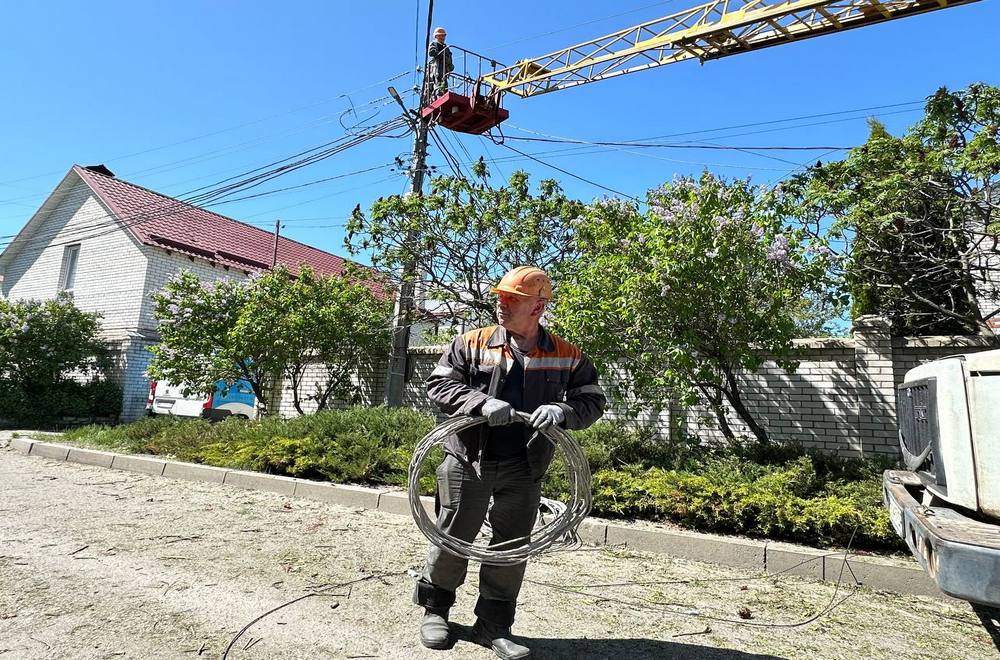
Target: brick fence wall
{"type": "Point", "coordinates": [842, 397]}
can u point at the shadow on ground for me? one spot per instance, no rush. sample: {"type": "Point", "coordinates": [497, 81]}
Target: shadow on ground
{"type": "Point", "coordinates": [990, 617]}
{"type": "Point", "coordinates": [616, 649]}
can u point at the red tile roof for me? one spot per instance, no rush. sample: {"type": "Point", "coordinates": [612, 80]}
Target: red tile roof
{"type": "Point", "coordinates": [167, 223]}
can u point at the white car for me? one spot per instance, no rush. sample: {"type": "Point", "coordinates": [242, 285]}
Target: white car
{"type": "Point", "coordinates": [236, 400]}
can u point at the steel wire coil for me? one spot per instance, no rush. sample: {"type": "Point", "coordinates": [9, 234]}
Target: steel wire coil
{"type": "Point", "coordinates": [555, 529]}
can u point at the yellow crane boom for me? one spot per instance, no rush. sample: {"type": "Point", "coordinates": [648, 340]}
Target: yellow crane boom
{"type": "Point", "coordinates": [709, 31]}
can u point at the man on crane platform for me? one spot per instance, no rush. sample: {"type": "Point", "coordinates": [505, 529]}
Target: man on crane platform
{"type": "Point", "coordinates": [439, 62]}
{"type": "Point", "coordinates": [494, 371]}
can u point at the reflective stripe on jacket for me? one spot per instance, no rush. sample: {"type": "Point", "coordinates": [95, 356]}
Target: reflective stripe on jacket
{"type": "Point", "coordinates": [555, 371]}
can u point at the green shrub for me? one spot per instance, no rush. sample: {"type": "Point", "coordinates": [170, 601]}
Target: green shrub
{"type": "Point", "coordinates": [44, 347]}
{"type": "Point", "coordinates": [59, 401]}
{"type": "Point", "coordinates": [732, 496]}
{"type": "Point", "coordinates": [770, 491]}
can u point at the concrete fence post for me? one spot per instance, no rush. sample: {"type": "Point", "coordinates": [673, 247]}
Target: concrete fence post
{"type": "Point", "coordinates": [876, 392]}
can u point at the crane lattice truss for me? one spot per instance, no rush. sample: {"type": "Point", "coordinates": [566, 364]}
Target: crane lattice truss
{"type": "Point", "coordinates": [709, 31]}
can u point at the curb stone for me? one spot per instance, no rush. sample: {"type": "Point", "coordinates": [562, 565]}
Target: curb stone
{"type": "Point", "coordinates": [719, 550]}
{"type": "Point", "coordinates": [152, 466]}
{"type": "Point", "coordinates": [398, 502]}
{"type": "Point", "coordinates": [768, 557]}
{"type": "Point", "coordinates": [343, 494]}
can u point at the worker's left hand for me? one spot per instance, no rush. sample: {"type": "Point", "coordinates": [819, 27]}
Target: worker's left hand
{"type": "Point", "coordinates": [547, 415]}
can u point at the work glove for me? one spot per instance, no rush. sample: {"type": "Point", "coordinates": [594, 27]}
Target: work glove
{"type": "Point", "coordinates": [547, 415]}
{"type": "Point", "coordinates": [497, 412]}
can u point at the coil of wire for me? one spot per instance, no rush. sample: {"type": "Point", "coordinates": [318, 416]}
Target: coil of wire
{"type": "Point", "coordinates": [554, 529]}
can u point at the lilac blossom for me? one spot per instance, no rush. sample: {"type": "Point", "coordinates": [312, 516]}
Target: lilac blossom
{"type": "Point", "coordinates": [778, 250]}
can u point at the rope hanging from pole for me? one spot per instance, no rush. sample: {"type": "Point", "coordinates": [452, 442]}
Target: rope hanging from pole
{"type": "Point", "coordinates": [554, 529]}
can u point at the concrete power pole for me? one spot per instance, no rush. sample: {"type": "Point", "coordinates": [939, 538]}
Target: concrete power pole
{"type": "Point", "coordinates": [403, 312]}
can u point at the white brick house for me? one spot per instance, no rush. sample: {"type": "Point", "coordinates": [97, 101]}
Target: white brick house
{"type": "Point", "coordinates": [113, 243]}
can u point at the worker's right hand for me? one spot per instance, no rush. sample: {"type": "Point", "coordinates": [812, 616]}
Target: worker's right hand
{"type": "Point", "coordinates": [497, 412]}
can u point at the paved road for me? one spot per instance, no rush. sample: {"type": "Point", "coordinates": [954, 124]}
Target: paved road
{"type": "Point", "coordinates": [96, 563]}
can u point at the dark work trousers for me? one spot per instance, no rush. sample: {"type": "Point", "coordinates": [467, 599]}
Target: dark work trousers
{"type": "Point", "coordinates": [464, 499]}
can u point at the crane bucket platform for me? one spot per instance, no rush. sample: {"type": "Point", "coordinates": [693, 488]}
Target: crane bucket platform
{"type": "Point", "coordinates": [466, 114]}
{"type": "Point", "coordinates": [454, 100]}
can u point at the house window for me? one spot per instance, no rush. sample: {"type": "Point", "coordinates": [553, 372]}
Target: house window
{"type": "Point", "coordinates": [71, 254]}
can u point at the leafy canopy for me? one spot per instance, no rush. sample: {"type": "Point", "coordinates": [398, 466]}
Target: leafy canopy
{"type": "Point", "coordinates": [464, 234]}
{"type": "Point", "coordinates": [675, 300]}
{"type": "Point", "coordinates": [269, 326]}
{"type": "Point", "coordinates": [917, 216]}
{"type": "Point", "coordinates": [53, 363]}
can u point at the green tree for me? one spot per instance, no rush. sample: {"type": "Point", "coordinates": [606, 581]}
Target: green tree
{"type": "Point", "coordinates": [821, 314]}
{"type": "Point", "coordinates": [917, 216]}
{"type": "Point", "coordinates": [53, 363]}
{"type": "Point", "coordinates": [334, 323]}
{"type": "Point", "coordinates": [467, 235]}
{"type": "Point", "coordinates": [676, 301]}
{"type": "Point", "coordinates": [267, 327]}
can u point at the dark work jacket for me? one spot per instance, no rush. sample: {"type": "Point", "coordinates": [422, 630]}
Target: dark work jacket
{"type": "Point", "coordinates": [555, 371]}
{"type": "Point", "coordinates": [440, 59]}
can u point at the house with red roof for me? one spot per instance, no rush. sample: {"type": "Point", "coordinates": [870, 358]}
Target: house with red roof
{"type": "Point", "coordinates": [112, 244]}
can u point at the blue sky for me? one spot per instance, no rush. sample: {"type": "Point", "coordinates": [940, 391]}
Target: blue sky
{"type": "Point", "coordinates": [175, 96]}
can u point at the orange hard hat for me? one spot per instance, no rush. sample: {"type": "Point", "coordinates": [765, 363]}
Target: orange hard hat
{"type": "Point", "coordinates": [526, 281]}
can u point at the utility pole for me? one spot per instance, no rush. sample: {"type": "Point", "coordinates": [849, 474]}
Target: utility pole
{"type": "Point", "coordinates": [402, 315]}
{"type": "Point", "coordinates": [274, 252]}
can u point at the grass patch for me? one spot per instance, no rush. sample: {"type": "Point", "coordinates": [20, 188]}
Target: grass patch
{"type": "Point", "coordinates": [768, 491]}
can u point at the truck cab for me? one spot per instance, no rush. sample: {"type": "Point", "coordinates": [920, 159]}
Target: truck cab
{"type": "Point", "coordinates": [946, 504]}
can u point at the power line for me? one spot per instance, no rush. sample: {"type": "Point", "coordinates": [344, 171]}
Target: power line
{"type": "Point", "coordinates": [112, 224]}
{"type": "Point", "coordinates": [582, 150]}
{"type": "Point", "coordinates": [665, 145]}
{"type": "Point", "coordinates": [577, 151]}
{"type": "Point", "coordinates": [305, 185]}
{"type": "Point", "coordinates": [787, 119]}
{"type": "Point", "coordinates": [168, 207]}
{"type": "Point", "coordinates": [575, 176]}
{"type": "Point", "coordinates": [225, 130]}
{"type": "Point", "coordinates": [212, 154]}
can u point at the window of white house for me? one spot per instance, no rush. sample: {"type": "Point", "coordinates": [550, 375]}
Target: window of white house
{"type": "Point", "coordinates": [71, 254]}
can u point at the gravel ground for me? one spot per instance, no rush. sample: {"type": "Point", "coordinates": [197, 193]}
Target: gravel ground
{"type": "Point", "coordinates": [97, 563]}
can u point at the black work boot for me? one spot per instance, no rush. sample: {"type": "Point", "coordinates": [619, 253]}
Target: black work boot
{"type": "Point", "coordinates": [434, 628]}
{"type": "Point", "coordinates": [498, 638]}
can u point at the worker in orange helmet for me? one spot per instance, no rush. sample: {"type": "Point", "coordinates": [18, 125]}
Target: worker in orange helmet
{"type": "Point", "coordinates": [517, 365]}
{"type": "Point", "coordinates": [439, 63]}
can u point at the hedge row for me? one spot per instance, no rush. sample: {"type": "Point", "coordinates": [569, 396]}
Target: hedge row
{"type": "Point", "coordinates": [768, 491]}
{"type": "Point", "coordinates": [48, 405]}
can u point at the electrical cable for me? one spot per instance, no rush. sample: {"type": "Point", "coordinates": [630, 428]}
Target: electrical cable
{"type": "Point", "coordinates": [489, 157]}
{"type": "Point", "coordinates": [416, 47]}
{"type": "Point", "coordinates": [557, 532]}
{"type": "Point", "coordinates": [665, 145]}
{"type": "Point", "coordinates": [167, 207]}
{"type": "Point", "coordinates": [785, 120]}
{"type": "Point", "coordinates": [568, 173]}
{"type": "Point", "coordinates": [576, 151]}
{"type": "Point", "coordinates": [316, 592]}
{"type": "Point", "coordinates": [217, 153]}
{"type": "Point", "coordinates": [647, 604]}
{"type": "Point", "coordinates": [225, 130]}
{"type": "Point", "coordinates": [304, 185]}
{"type": "Point", "coordinates": [448, 156]}
{"type": "Point", "coordinates": [189, 197]}
{"type": "Point", "coordinates": [140, 218]}
{"type": "Point", "coordinates": [585, 151]}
